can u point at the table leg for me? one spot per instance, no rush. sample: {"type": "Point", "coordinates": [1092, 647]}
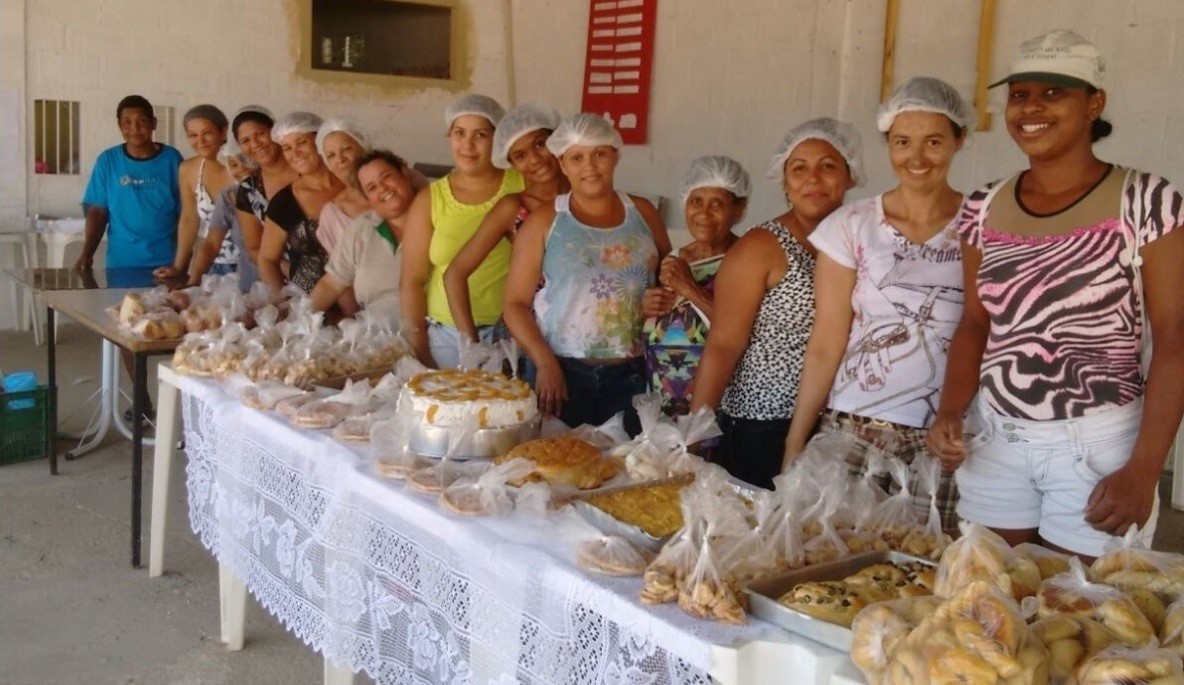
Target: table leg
{"type": "Point", "coordinates": [51, 349]}
{"type": "Point", "coordinates": [168, 426]}
{"type": "Point", "coordinates": [338, 675]}
{"type": "Point", "coordinates": [139, 379]}
{"type": "Point", "coordinates": [232, 605]}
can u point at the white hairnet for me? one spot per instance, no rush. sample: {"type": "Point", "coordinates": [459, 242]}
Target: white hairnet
{"type": "Point", "coordinates": [518, 122]}
{"type": "Point", "coordinates": [583, 129]}
{"type": "Point", "coordinates": [841, 135]}
{"type": "Point", "coordinates": [336, 125]}
{"type": "Point", "coordinates": [716, 171]}
{"type": "Point", "coordinates": [295, 122]}
{"type": "Point", "coordinates": [480, 105]}
{"type": "Point", "coordinates": [231, 149]}
{"type": "Point", "coordinates": [925, 94]}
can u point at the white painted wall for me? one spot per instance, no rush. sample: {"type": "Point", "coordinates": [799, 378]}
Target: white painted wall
{"type": "Point", "coordinates": [729, 78]}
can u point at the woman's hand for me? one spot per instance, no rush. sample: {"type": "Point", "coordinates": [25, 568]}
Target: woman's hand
{"type": "Point", "coordinates": [657, 302]}
{"type": "Point", "coordinates": [676, 275]}
{"type": "Point", "coordinates": [166, 272]}
{"type": "Point", "coordinates": [1122, 499]}
{"type": "Point", "coordinates": [944, 441]}
{"type": "Point", "coordinates": [550, 387]}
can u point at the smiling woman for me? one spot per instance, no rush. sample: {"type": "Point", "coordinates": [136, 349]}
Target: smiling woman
{"type": "Point", "coordinates": [1072, 260]}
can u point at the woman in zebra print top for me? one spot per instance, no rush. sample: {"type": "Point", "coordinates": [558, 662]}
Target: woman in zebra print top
{"type": "Point", "coordinates": [1066, 265]}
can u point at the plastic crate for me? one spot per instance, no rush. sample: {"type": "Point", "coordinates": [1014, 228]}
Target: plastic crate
{"type": "Point", "coordinates": [24, 430]}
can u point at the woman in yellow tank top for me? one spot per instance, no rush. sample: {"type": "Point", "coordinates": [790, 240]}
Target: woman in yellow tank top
{"type": "Point", "coordinates": [441, 220]}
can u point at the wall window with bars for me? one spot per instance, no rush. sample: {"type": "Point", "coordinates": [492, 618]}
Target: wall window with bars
{"type": "Point", "coordinates": [56, 139]}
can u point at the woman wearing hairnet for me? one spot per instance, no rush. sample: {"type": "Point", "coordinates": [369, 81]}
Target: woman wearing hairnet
{"type": "Point", "coordinates": [251, 128]}
{"type": "Point", "coordinates": [1074, 262]}
{"type": "Point", "coordinates": [293, 213]}
{"type": "Point", "coordinates": [520, 143]}
{"type": "Point", "coordinates": [753, 358]}
{"type": "Point", "coordinates": [442, 219]}
{"type": "Point", "coordinates": [888, 295]}
{"type": "Point", "coordinates": [223, 223]}
{"type": "Point", "coordinates": [201, 178]}
{"type": "Point", "coordinates": [341, 143]}
{"type": "Point", "coordinates": [596, 251]}
{"type": "Point", "coordinates": [679, 311]}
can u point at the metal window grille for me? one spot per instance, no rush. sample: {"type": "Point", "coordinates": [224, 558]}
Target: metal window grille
{"type": "Point", "coordinates": [56, 137]}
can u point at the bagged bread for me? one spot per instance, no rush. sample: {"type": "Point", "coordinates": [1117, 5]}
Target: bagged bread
{"type": "Point", "coordinates": [266, 394]}
{"type": "Point", "coordinates": [880, 628]}
{"type": "Point", "coordinates": [1129, 565]}
{"type": "Point", "coordinates": [1070, 641]}
{"type": "Point", "coordinates": [1073, 594]}
{"type": "Point", "coordinates": [487, 494]}
{"type": "Point", "coordinates": [980, 554]}
{"type": "Point", "coordinates": [1121, 665]}
{"type": "Point", "coordinates": [613, 556]}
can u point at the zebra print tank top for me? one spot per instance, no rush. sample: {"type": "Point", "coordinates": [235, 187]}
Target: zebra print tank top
{"type": "Point", "coordinates": [1066, 323]}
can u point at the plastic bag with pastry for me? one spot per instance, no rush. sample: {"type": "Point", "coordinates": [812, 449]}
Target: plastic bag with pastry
{"type": "Point", "coordinates": [1048, 562]}
{"type": "Point", "coordinates": [931, 541]}
{"type": "Point", "coordinates": [1073, 594]}
{"type": "Point", "coordinates": [487, 494]}
{"type": "Point", "coordinates": [880, 628]}
{"type": "Point", "coordinates": [708, 592]}
{"type": "Point", "coordinates": [644, 454]}
{"type": "Point", "coordinates": [980, 554]}
{"type": "Point", "coordinates": [1120, 665]}
{"type": "Point", "coordinates": [674, 561]}
{"type": "Point", "coordinates": [894, 518]}
{"type": "Point", "coordinates": [330, 411]}
{"type": "Point", "coordinates": [607, 436]}
{"type": "Point", "coordinates": [1128, 564]}
{"type": "Point", "coordinates": [1171, 635]}
{"type": "Point", "coordinates": [749, 555]}
{"type": "Point", "coordinates": [1070, 640]}
{"type": "Point", "coordinates": [612, 556]}
{"type": "Point", "coordinates": [266, 394]}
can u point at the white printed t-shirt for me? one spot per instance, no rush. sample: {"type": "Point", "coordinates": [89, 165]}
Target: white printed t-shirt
{"type": "Point", "coordinates": [906, 303]}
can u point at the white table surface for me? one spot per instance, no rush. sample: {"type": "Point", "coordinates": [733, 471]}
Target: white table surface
{"type": "Point", "coordinates": [381, 579]}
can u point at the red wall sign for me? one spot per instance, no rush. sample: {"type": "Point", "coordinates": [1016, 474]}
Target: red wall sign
{"type": "Point", "coordinates": [617, 66]}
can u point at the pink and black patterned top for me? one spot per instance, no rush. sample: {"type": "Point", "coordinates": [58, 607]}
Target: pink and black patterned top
{"type": "Point", "coordinates": [1065, 324]}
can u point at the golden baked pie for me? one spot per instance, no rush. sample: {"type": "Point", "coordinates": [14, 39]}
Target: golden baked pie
{"type": "Point", "coordinates": [455, 397]}
{"type": "Point", "coordinates": [654, 509]}
{"type": "Point", "coordinates": [565, 460]}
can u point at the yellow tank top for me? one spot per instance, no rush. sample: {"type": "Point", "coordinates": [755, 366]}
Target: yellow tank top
{"type": "Point", "coordinates": [453, 223]}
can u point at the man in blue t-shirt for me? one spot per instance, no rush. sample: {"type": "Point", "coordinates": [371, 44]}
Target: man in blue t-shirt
{"type": "Point", "coordinates": [133, 190]}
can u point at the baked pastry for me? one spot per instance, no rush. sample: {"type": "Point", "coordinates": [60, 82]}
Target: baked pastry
{"type": "Point", "coordinates": [455, 397]}
{"type": "Point", "coordinates": [1123, 666]}
{"type": "Point", "coordinates": [655, 509]}
{"type": "Point", "coordinates": [131, 308]}
{"type": "Point", "coordinates": [612, 556]}
{"type": "Point", "coordinates": [564, 460]}
{"type": "Point", "coordinates": [833, 602]}
{"type": "Point", "coordinates": [1070, 640]}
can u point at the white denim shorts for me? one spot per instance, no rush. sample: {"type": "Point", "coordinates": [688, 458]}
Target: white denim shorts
{"type": "Point", "coordinates": [1021, 474]}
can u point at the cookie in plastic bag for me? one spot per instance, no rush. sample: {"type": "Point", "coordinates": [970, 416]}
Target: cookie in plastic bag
{"type": "Point", "coordinates": [612, 556]}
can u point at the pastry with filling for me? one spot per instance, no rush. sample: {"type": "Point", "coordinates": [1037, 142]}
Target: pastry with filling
{"type": "Point", "coordinates": [455, 397]}
{"type": "Point", "coordinates": [564, 460]}
{"type": "Point", "coordinates": [654, 509]}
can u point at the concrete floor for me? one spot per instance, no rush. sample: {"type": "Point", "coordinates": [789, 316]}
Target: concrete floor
{"type": "Point", "coordinates": [72, 610]}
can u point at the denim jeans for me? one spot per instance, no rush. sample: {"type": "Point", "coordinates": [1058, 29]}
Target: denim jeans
{"type": "Point", "coordinates": [752, 449]}
{"type": "Point", "coordinates": [597, 391]}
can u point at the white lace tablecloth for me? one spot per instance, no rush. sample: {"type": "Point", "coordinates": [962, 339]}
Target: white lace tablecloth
{"type": "Point", "coordinates": [381, 579]}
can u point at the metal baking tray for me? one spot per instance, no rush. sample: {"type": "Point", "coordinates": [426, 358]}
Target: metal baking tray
{"type": "Point", "coordinates": [484, 443]}
{"type": "Point", "coordinates": [607, 524]}
{"type": "Point", "coordinates": [763, 594]}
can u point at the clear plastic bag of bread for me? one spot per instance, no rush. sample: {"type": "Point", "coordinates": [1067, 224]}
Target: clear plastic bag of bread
{"type": "Point", "coordinates": [1074, 594]}
{"type": "Point", "coordinates": [1049, 562]}
{"type": "Point", "coordinates": [880, 628]}
{"type": "Point", "coordinates": [611, 555]}
{"type": "Point", "coordinates": [1121, 665]}
{"type": "Point", "coordinates": [668, 570]}
{"type": "Point", "coordinates": [1171, 634]}
{"type": "Point", "coordinates": [452, 466]}
{"type": "Point", "coordinates": [929, 541]}
{"type": "Point", "coordinates": [828, 545]}
{"type": "Point", "coordinates": [1070, 641]}
{"type": "Point", "coordinates": [229, 351]}
{"type": "Point", "coordinates": [1128, 564]}
{"type": "Point", "coordinates": [692, 430]}
{"type": "Point", "coordinates": [332, 410]}
{"type": "Point", "coordinates": [645, 453]}
{"type": "Point", "coordinates": [266, 394]}
{"type": "Point", "coordinates": [976, 637]}
{"type": "Point", "coordinates": [604, 437]}
{"type": "Point", "coordinates": [894, 518]}
{"type": "Point", "coordinates": [980, 554]}
{"type": "Point", "coordinates": [708, 591]}
{"type": "Point", "coordinates": [749, 555]}
{"type": "Point", "coordinates": [488, 494]}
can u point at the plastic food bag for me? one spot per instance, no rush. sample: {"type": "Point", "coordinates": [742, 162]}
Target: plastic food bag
{"type": "Point", "coordinates": [612, 556]}
{"type": "Point", "coordinates": [893, 519]}
{"type": "Point", "coordinates": [708, 592]}
{"type": "Point", "coordinates": [329, 412]}
{"type": "Point", "coordinates": [1073, 594]}
{"type": "Point", "coordinates": [288, 406]}
{"type": "Point", "coordinates": [1131, 666]}
{"type": "Point", "coordinates": [266, 394]}
{"type": "Point", "coordinates": [929, 541]}
{"type": "Point", "coordinates": [1070, 640]}
{"type": "Point", "coordinates": [879, 629]}
{"type": "Point", "coordinates": [488, 494]}
{"type": "Point", "coordinates": [1127, 564]}
{"type": "Point", "coordinates": [976, 636]}
{"type": "Point", "coordinates": [1171, 634]}
{"type": "Point", "coordinates": [980, 554]}
{"type": "Point", "coordinates": [534, 500]}
{"type": "Point", "coordinates": [1048, 562]}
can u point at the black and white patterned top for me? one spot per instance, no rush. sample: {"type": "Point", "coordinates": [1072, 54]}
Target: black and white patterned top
{"type": "Point", "coordinates": [765, 383]}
